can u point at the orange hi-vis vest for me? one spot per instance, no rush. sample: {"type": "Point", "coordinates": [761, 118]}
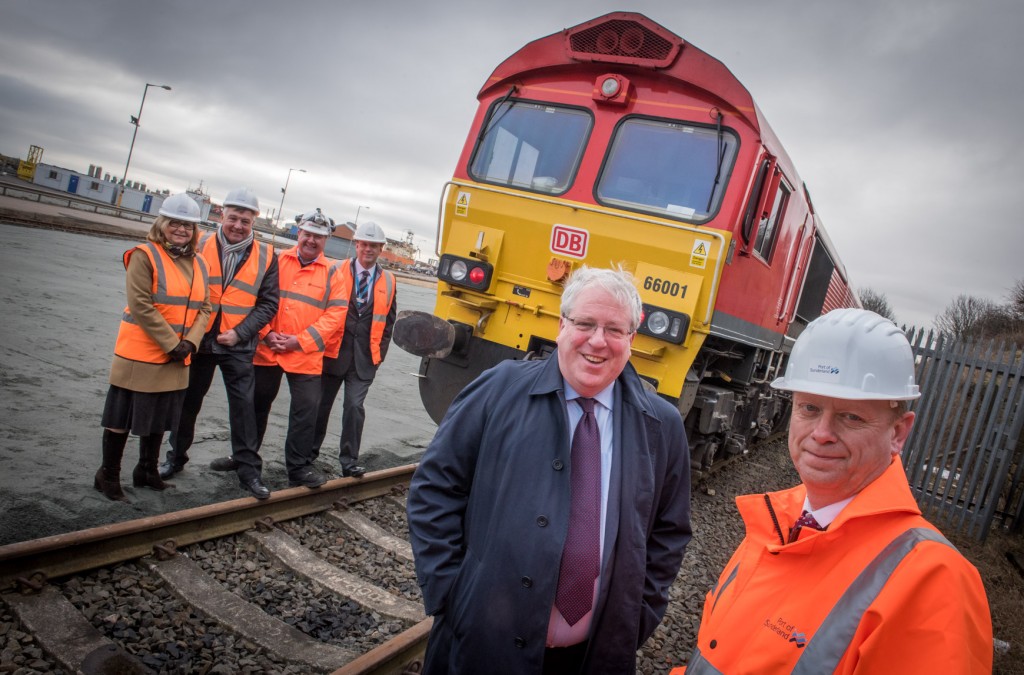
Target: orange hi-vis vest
{"type": "Point", "coordinates": [237, 300]}
{"type": "Point", "coordinates": [312, 308]}
{"type": "Point", "coordinates": [383, 297]}
{"type": "Point", "coordinates": [177, 300]}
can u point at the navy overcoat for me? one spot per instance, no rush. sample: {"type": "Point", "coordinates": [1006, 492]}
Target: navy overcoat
{"type": "Point", "coordinates": [489, 510]}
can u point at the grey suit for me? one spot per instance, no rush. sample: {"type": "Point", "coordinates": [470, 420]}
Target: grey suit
{"type": "Point", "coordinates": [354, 368]}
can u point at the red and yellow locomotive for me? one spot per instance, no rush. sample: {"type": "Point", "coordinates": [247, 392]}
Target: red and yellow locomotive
{"type": "Point", "coordinates": [617, 142]}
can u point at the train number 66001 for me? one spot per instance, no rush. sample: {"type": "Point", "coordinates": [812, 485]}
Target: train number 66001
{"type": "Point", "coordinates": [665, 287]}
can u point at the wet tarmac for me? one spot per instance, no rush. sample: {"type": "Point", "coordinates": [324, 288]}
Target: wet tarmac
{"type": "Point", "coordinates": [61, 296]}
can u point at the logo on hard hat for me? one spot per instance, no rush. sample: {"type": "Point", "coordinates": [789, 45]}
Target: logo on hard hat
{"type": "Point", "coordinates": [824, 371]}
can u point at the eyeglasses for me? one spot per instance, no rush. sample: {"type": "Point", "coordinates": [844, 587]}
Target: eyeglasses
{"type": "Point", "coordinates": [179, 225]}
{"type": "Point", "coordinates": [588, 327]}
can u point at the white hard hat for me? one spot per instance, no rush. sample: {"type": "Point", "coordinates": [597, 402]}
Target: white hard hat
{"type": "Point", "coordinates": [852, 354]}
{"type": "Point", "coordinates": [181, 207]}
{"type": "Point", "coordinates": [371, 232]}
{"type": "Point", "coordinates": [243, 198]}
{"type": "Point", "coordinates": [316, 222]}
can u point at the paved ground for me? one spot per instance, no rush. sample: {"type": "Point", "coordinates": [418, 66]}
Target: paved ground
{"type": "Point", "coordinates": [61, 295]}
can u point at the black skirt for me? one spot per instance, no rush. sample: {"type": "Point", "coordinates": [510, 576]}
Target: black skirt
{"type": "Point", "coordinates": [142, 413]}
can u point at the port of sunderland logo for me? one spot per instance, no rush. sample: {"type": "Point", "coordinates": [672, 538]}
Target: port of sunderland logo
{"type": "Point", "coordinates": [786, 630]}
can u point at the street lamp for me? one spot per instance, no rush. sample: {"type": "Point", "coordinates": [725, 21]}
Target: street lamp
{"type": "Point", "coordinates": [357, 212]}
{"type": "Point", "coordinates": [135, 120]}
{"type": "Point", "coordinates": [284, 191]}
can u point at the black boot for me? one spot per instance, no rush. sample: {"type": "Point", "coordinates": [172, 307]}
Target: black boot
{"type": "Point", "coordinates": [108, 477]}
{"type": "Point", "coordinates": [173, 464]}
{"type": "Point", "coordinates": [146, 473]}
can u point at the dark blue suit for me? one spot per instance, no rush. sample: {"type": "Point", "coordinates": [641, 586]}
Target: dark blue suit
{"type": "Point", "coordinates": [489, 511]}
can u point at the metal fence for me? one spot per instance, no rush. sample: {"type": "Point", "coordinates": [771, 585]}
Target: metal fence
{"type": "Point", "coordinates": [965, 456]}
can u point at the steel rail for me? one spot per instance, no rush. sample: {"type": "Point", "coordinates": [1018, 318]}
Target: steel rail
{"type": "Point", "coordinates": [29, 564]}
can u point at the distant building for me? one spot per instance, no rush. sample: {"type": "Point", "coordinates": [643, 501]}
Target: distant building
{"type": "Point", "coordinates": [102, 187]}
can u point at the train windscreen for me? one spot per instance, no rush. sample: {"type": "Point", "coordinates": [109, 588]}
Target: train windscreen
{"type": "Point", "coordinates": [532, 146]}
{"type": "Point", "coordinates": [670, 168]}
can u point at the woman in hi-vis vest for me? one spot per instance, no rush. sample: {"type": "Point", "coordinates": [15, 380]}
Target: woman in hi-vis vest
{"type": "Point", "coordinates": [166, 316]}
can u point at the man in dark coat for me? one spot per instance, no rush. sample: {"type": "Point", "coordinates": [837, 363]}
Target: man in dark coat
{"type": "Point", "coordinates": [493, 505]}
{"type": "Point", "coordinates": [353, 355]}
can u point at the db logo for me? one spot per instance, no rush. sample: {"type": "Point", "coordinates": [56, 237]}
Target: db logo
{"type": "Point", "coordinates": [569, 241]}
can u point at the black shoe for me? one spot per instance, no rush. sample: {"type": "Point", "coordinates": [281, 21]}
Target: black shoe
{"type": "Point", "coordinates": [255, 487]}
{"type": "Point", "coordinates": [353, 472]}
{"type": "Point", "coordinates": [308, 476]}
{"type": "Point", "coordinates": [168, 469]}
{"type": "Point", "coordinates": [224, 464]}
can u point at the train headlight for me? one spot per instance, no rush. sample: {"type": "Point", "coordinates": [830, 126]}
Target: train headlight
{"type": "Point", "coordinates": [459, 270]}
{"type": "Point", "coordinates": [664, 324]}
{"type": "Point", "coordinates": [465, 272]}
{"type": "Point", "coordinates": [658, 322]}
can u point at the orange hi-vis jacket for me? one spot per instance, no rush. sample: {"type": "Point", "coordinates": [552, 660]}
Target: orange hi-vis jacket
{"type": "Point", "coordinates": [237, 300]}
{"type": "Point", "coordinates": [177, 300]}
{"type": "Point", "coordinates": [383, 297]}
{"type": "Point", "coordinates": [879, 591]}
{"type": "Point", "coordinates": [312, 308]}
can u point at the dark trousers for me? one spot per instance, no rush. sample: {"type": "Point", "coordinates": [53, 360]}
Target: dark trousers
{"type": "Point", "coordinates": [565, 660]}
{"type": "Point", "coordinates": [305, 393]}
{"type": "Point", "coordinates": [239, 384]}
{"type": "Point", "coordinates": [353, 414]}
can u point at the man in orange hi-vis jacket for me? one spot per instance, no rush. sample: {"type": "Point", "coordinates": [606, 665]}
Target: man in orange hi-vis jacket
{"type": "Point", "coordinates": [312, 308]}
{"type": "Point", "coordinates": [842, 574]}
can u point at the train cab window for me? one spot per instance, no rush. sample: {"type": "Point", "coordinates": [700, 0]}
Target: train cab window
{"type": "Point", "coordinates": [766, 230]}
{"type": "Point", "coordinates": [531, 146]}
{"type": "Point", "coordinates": [669, 168]}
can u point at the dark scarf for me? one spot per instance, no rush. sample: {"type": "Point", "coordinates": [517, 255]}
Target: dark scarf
{"type": "Point", "coordinates": [179, 251]}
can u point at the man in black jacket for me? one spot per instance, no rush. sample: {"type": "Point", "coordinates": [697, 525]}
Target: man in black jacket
{"type": "Point", "coordinates": [244, 293]}
{"type": "Point", "coordinates": [352, 356]}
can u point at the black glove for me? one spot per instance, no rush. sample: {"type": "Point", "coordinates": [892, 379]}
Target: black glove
{"type": "Point", "coordinates": [182, 351]}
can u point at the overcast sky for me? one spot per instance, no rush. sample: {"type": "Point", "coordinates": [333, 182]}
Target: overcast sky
{"type": "Point", "coordinates": [903, 118]}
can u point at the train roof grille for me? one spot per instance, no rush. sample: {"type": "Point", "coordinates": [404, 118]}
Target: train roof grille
{"type": "Point", "coordinates": [620, 40]}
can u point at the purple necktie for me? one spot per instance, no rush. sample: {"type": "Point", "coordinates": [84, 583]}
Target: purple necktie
{"type": "Point", "coordinates": [581, 557]}
{"type": "Point", "coordinates": [805, 520]}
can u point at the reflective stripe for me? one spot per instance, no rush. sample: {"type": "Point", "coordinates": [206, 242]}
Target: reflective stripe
{"type": "Point", "coordinates": [698, 665]}
{"type": "Point", "coordinates": [725, 585]}
{"type": "Point", "coordinates": [823, 653]}
{"type": "Point", "coordinates": [320, 303]}
{"type": "Point", "coordinates": [128, 318]}
{"type": "Point", "coordinates": [315, 334]}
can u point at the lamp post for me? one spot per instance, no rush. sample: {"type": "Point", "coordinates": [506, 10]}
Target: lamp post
{"type": "Point", "coordinates": [358, 209]}
{"type": "Point", "coordinates": [135, 120]}
{"type": "Point", "coordinates": [280, 210]}
{"type": "Point", "coordinates": [284, 192]}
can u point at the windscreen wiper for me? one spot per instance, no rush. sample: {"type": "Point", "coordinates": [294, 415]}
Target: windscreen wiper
{"type": "Point", "coordinates": [721, 159]}
{"type": "Point", "coordinates": [489, 123]}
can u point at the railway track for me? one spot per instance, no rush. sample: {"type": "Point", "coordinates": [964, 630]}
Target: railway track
{"type": "Point", "coordinates": [308, 581]}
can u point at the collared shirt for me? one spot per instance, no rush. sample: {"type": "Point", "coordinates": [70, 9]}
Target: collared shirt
{"type": "Point", "coordinates": [826, 514]}
{"type": "Point", "coordinates": [560, 633]}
